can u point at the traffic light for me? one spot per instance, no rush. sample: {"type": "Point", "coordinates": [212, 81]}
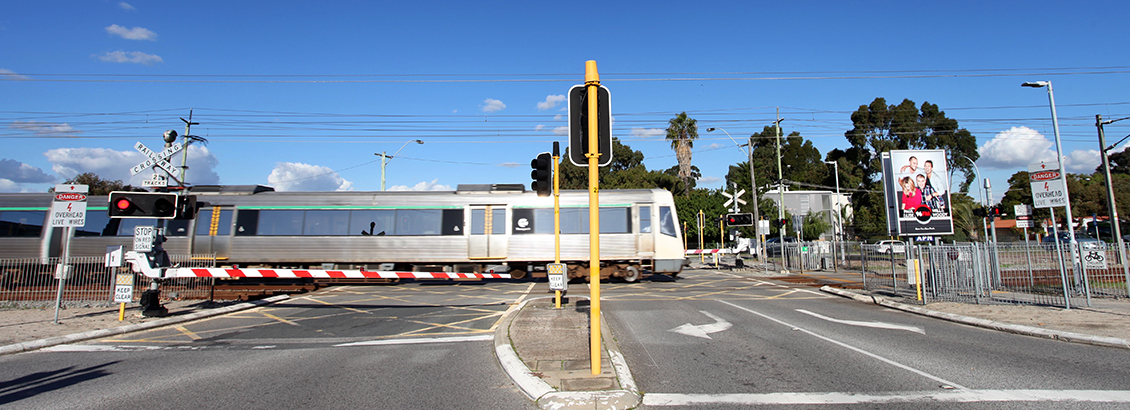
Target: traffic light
{"type": "Point", "coordinates": [782, 222]}
{"type": "Point", "coordinates": [979, 212]}
{"type": "Point", "coordinates": [144, 205]}
{"type": "Point", "coordinates": [739, 220]}
{"type": "Point", "coordinates": [542, 174]}
{"type": "Point", "coordinates": [186, 207]}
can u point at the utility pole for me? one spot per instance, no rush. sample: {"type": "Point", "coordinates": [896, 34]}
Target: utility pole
{"type": "Point", "coordinates": [1110, 195]}
{"type": "Point", "coordinates": [184, 155]}
{"type": "Point", "coordinates": [780, 178]}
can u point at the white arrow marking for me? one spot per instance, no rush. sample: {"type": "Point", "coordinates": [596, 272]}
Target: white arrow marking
{"type": "Point", "coordinates": [879, 325]}
{"type": "Point", "coordinates": [703, 331]}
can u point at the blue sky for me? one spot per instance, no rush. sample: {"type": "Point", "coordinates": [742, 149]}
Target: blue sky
{"type": "Point", "coordinates": [300, 95]}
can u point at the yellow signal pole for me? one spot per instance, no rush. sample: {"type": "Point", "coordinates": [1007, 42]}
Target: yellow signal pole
{"type": "Point", "coordinates": [592, 84]}
{"type": "Point", "coordinates": [557, 220]}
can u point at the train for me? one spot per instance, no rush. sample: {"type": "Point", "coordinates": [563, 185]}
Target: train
{"type": "Point", "coordinates": [474, 229]}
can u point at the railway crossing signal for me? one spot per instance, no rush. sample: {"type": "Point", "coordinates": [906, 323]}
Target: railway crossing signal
{"type": "Point", "coordinates": [157, 205]}
{"type": "Point", "coordinates": [739, 220]}
{"type": "Point", "coordinates": [542, 174]}
{"type": "Point", "coordinates": [782, 222]}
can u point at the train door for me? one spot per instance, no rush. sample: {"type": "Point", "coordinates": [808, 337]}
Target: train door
{"type": "Point", "coordinates": [488, 239]}
{"type": "Point", "coordinates": [645, 245]}
{"type": "Point", "coordinates": [213, 232]}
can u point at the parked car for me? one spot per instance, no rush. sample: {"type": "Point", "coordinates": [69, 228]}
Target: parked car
{"type": "Point", "coordinates": [1064, 238]}
{"type": "Point", "coordinates": [888, 246]}
{"type": "Point", "coordinates": [773, 245]}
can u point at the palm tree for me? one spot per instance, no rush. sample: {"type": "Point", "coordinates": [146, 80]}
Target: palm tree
{"type": "Point", "coordinates": [682, 131]}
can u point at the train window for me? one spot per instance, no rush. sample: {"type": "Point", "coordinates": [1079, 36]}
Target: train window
{"type": "Point", "coordinates": [372, 222]}
{"type": "Point", "coordinates": [22, 223]}
{"type": "Point", "coordinates": [325, 223]}
{"type": "Point", "coordinates": [97, 223]}
{"type": "Point", "coordinates": [615, 220]}
{"type": "Point", "coordinates": [246, 222]}
{"type": "Point", "coordinates": [576, 220]}
{"type": "Point", "coordinates": [667, 221]}
{"type": "Point", "coordinates": [452, 221]}
{"type": "Point", "coordinates": [204, 222]}
{"type": "Point", "coordinates": [177, 228]}
{"type": "Point", "coordinates": [418, 221]}
{"type": "Point", "coordinates": [645, 219]}
{"type": "Point", "coordinates": [543, 221]}
{"type": "Point", "coordinates": [280, 222]}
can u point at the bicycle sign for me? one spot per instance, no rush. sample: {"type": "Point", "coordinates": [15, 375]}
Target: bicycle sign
{"type": "Point", "coordinates": [1094, 260]}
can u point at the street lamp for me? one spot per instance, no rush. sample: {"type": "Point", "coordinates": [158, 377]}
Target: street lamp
{"type": "Point", "coordinates": [780, 178]}
{"type": "Point", "coordinates": [1062, 174]}
{"type": "Point", "coordinates": [386, 158]}
{"type": "Point", "coordinates": [839, 206]}
{"type": "Point", "coordinates": [752, 189]}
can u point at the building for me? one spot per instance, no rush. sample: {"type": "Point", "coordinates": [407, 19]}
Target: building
{"type": "Point", "coordinates": [804, 203]}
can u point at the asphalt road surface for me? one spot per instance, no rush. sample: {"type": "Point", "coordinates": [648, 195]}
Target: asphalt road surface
{"type": "Point", "coordinates": [414, 345]}
{"type": "Point", "coordinates": [719, 340]}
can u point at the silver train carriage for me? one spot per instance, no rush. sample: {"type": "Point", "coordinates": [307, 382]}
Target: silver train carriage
{"type": "Point", "coordinates": [477, 228]}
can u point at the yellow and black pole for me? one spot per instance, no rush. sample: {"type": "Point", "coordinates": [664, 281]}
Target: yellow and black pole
{"type": "Point", "coordinates": [592, 85]}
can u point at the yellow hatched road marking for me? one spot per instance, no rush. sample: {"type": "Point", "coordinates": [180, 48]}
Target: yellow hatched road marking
{"type": "Point", "coordinates": [187, 332]}
{"type": "Point", "coordinates": [278, 318]}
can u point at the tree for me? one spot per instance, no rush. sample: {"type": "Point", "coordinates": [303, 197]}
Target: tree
{"type": "Point", "coordinates": [682, 131]}
{"type": "Point", "coordinates": [1119, 162]}
{"type": "Point", "coordinates": [800, 162]}
{"type": "Point", "coordinates": [97, 185]}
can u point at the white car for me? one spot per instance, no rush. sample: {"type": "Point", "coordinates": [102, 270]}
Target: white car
{"type": "Point", "coordinates": [889, 246]}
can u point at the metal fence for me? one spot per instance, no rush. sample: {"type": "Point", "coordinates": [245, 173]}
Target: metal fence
{"type": "Point", "coordinates": [31, 280]}
{"type": "Point", "coordinates": [1035, 273]}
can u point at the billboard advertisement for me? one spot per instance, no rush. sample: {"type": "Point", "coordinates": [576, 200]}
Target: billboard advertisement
{"type": "Point", "coordinates": [918, 192]}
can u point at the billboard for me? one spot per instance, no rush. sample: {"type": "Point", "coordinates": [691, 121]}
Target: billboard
{"type": "Point", "coordinates": [917, 190]}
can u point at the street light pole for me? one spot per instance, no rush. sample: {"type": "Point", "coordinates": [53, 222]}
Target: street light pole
{"type": "Point", "coordinates": [1110, 196]}
{"type": "Point", "coordinates": [839, 206]}
{"type": "Point", "coordinates": [386, 158]}
{"type": "Point", "coordinates": [1062, 176]}
{"type": "Point", "coordinates": [780, 179]}
{"type": "Point", "coordinates": [752, 192]}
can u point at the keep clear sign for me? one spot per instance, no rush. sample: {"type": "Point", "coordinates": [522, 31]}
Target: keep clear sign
{"type": "Point", "coordinates": [69, 206]}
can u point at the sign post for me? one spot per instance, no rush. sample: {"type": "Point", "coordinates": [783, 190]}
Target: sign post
{"type": "Point", "coordinates": [68, 210]}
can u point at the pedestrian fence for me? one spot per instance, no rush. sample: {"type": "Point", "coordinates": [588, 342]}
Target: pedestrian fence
{"type": "Point", "coordinates": [33, 281]}
{"type": "Point", "coordinates": [1036, 273]}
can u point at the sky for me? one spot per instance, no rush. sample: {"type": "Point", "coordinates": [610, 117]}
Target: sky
{"type": "Point", "coordinates": [303, 95]}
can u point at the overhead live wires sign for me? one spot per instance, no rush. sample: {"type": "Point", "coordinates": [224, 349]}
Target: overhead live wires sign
{"type": "Point", "coordinates": [1048, 189]}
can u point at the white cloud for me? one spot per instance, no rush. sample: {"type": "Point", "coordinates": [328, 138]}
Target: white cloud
{"type": "Point", "coordinates": [1015, 148]}
{"type": "Point", "coordinates": [44, 128]}
{"type": "Point", "coordinates": [136, 33]}
{"type": "Point", "coordinates": [11, 75]}
{"type": "Point", "coordinates": [511, 165]}
{"type": "Point", "coordinates": [493, 105]}
{"type": "Point", "coordinates": [19, 172]}
{"type": "Point", "coordinates": [562, 130]}
{"type": "Point", "coordinates": [9, 186]}
{"type": "Point", "coordinates": [423, 186]}
{"type": "Point", "coordinates": [296, 176]}
{"type": "Point", "coordinates": [115, 165]}
{"type": "Point", "coordinates": [135, 57]}
{"type": "Point", "coordinates": [1083, 161]}
{"type": "Point", "coordinates": [648, 132]}
{"type": "Point", "coordinates": [708, 180]}
{"type": "Point", "coordinates": [550, 102]}
{"type": "Point", "coordinates": [539, 127]}
{"type": "Point", "coordinates": [126, 6]}
{"type": "Point", "coordinates": [559, 117]}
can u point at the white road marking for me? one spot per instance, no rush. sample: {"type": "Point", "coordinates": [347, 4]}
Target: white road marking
{"type": "Point", "coordinates": [853, 348]}
{"type": "Point", "coordinates": [949, 396]}
{"type": "Point", "coordinates": [479, 338]}
{"type": "Point", "coordinates": [703, 331]}
{"type": "Point", "coordinates": [877, 325]}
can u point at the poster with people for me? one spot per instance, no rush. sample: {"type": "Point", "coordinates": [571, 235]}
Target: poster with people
{"type": "Point", "coordinates": [918, 192]}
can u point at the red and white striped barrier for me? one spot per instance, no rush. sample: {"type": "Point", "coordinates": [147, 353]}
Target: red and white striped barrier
{"type": "Point", "coordinates": [143, 265]}
{"type": "Point", "coordinates": [702, 251]}
{"type": "Point", "coordinates": [322, 274]}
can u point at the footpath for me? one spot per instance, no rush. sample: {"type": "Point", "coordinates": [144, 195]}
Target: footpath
{"type": "Point", "coordinates": [545, 350]}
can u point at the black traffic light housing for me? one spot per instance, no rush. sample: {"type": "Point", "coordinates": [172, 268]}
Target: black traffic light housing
{"type": "Point", "coordinates": [158, 205]}
{"type": "Point", "coordinates": [739, 220]}
{"type": "Point", "coordinates": [979, 212]}
{"type": "Point", "coordinates": [542, 174]}
{"type": "Point", "coordinates": [782, 222]}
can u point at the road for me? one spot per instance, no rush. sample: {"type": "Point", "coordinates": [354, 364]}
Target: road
{"type": "Point", "coordinates": [719, 340]}
{"type": "Point", "coordinates": [352, 347]}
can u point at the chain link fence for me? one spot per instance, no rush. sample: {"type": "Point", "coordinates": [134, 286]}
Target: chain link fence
{"type": "Point", "coordinates": [28, 281]}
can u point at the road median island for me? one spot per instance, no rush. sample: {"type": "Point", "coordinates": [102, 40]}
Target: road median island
{"type": "Point", "coordinates": [545, 352]}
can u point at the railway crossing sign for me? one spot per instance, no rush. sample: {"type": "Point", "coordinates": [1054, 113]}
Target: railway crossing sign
{"type": "Point", "coordinates": [1048, 189]}
{"type": "Point", "coordinates": [733, 198]}
{"type": "Point", "coordinates": [69, 207]}
{"type": "Point", "coordinates": [155, 159]}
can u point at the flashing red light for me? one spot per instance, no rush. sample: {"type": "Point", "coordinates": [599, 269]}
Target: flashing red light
{"type": "Point", "coordinates": [123, 204]}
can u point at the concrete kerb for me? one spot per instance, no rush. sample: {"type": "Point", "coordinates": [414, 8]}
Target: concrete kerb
{"type": "Point", "coordinates": [95, 334]}
{"type": "Point", "coordinates": [549, 398]}
{"type": "Point", "coordinates": [985, 323]}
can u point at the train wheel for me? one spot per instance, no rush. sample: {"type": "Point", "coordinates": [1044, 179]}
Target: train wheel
{"type": "Point", "coordinates": [632, 274]}
{"type": "Point", "coordinates": [517, 274]}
